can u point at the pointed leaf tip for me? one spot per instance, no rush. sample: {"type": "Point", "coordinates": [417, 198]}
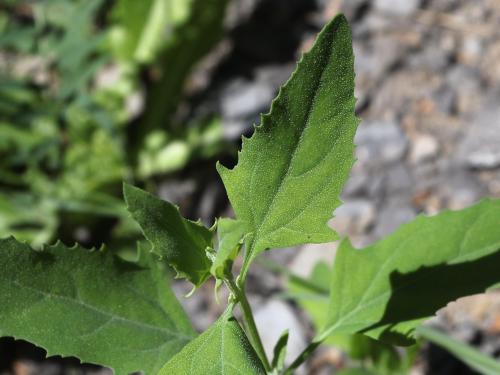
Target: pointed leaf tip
{"type": "Point", "coordinates": [290, 173]}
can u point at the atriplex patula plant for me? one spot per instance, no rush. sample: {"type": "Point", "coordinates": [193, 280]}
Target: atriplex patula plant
{"type": "Point", "coordinates": [121, 314]}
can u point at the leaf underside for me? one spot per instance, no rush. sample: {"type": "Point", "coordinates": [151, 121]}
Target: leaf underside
{"type": "Point", "coordinates": [90, 305]}
{"type": "Point", "coordinates": [386, 290]}
{"type": "Point", "coordinates": [221, 350]}
{"type": "Point", "coordinates": [180, 242]}
{"type": "Point", "coordinates": [291, 171]}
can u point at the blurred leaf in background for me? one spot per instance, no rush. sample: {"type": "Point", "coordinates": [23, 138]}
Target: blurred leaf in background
{"type": "Point", "coordinates": [88, 93]}
{"type": "Point", "coordinates": [474, 358]}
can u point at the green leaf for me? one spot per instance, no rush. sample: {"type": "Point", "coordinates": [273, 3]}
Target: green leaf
{"type": "Point", "coordinates": [290, 173]}
{"type": "Point", "coordinates": [389, 288]}
{"type": "Point", "coordinates": [91, 305]}
{"type": "Point", "coordinates": [200, 30]}
{"type": "Point", "coordinates": [26, 217]}
{"type": "Point", "coordinates": [181, 242]}
{"type": "Point", "coordinates": [222, 349]}
{"type": "Point", "coordinates": [279, 353]}
{"type": "Point", "coordinates": [143, 27]}
{"type": "Point", "coordinates": [308, 293]}
{"type": "Point", "coordinates": [474, 358]}
{"type": "Point", "coordinates": [231, 234]}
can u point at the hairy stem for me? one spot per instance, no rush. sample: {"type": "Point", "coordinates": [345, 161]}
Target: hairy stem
{"type": "Point", "coordinates": [250, 326]}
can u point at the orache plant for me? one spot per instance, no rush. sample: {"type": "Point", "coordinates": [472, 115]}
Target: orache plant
{"type": "Point", "coordinates": [122, 314]}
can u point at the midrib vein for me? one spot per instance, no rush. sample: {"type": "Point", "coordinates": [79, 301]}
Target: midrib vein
{"type": "Point", "coordinates": [102, 312]}
{"type": "Point", "coordinates": [298, 142]}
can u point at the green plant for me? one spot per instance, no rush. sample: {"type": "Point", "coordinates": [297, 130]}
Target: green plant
{"type": "Point", "coordinates": [366, 354]}
{"type": "Point", "coordinates": [66, 141]}
{"type": "Point", "coordinates": [122, 314]}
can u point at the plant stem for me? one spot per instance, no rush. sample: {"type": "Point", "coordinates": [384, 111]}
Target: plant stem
{"type": "Point", "coordinates": [302, 357]}
{"type": "Point", "coordinates": [252, 331]}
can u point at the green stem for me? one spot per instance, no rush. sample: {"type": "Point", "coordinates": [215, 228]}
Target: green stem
{"type": "Point", "coordinates": [302, 357]}
{"type": "Point", "coordinates": [244, 270]}
{"type": "Point", "coordinates": [250, 325]}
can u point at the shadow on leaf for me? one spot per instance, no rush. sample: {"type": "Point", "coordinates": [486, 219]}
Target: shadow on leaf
{"type": "Point", "coordinates": [419, 294]}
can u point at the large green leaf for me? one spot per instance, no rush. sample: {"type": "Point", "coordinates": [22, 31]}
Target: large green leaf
{"type": "Point", "coordinates": [290, 173]}
{"type": "Point", "coordinates": [181, 242]}
{"type": "Point", "coordinates": [387, 289]}
{"type": "Point", "coordinates": [91, 305]}
{"type": "Point", "coordinates": [221, 350]}
{"type": "Point", "coordinates": [473, 357]}
{"type": "Point", "coordinates": [378, 356]}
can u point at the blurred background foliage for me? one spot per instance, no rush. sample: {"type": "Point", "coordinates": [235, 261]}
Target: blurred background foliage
{"type": "Point", "coordinates": [94, 92]}
{"type": "Point", "coordinates": [89, 92]}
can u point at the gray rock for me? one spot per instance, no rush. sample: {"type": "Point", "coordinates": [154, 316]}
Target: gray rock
{"type": "Point", "coordinates": [307, 256]}
{"type": "Point", "coordinates": [244, 98]}
{"type": "Point", "coordinates": [243, 101]}
{"type": "Point", "coordinates": [432, 58]}
{"type": "Point", "coordinates": [424, 147]}
{"type": "Point", "coordinates": [377, 186]}
{"type": "Point", "coordinates": [233, 129]}
{"type": "Point", "coordinates": [365, 182]}
{"type": "Point", "coordinates": [373, 22]}
{"type": "Point", "coordinates": [461, 189]}
{"type": "Point", "coordinates": [398, 181]}
{"type": "Point", "coordinates": [356, 185]}
{"type": "Point", "coordinates": [444, 99]}
{"type": "Point", "coordinates": [465, 332]}
{"type": "Point", "coordinates": [471, 49]}
{"type": "Point", "coordinates": [490, 345]}
{"type": "Point", "coordinates": [484, 159]}
{"type": "Point", "coordinates": [397, 7]}
{"type": "Point", "coordinates": [349, 8]}
{"type": "Point", "coordinates": [468, 98]}
{"type": "Point", "coordinates": [377, 57]}
{"type": "Point", "coordinates": [393, 215]}
{"type": "Point", "coordinates": [380, 143]}
{"type": "Point", "coordinates": [480, 146]}
{"type": "Point", "coordinates": [354, 217]}
{"type": "Point", "coordinates": [239, 11]}
{"type": "Point", "coordinates": [426, 176]}
{"type": "Point", "coordinates": [272, 319]}
{"type": "Point", "coordinates": [274, 76]}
